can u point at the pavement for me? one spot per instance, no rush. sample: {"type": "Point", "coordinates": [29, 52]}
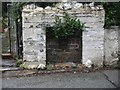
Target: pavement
{"type": "Point", "coordinates": [14, 77]}
{"type": "Point", "coordinates": [97, 79]}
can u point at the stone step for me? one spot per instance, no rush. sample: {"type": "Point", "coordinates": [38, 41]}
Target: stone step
{"type": "Point", "coordinates": [6, 56]}
{"type": "Point", "coordinates": [7, 63]}
{"type": "Point", "coordinates": [3, 69]}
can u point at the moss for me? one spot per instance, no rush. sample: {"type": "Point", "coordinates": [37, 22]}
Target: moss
{"type": "Point", "coordinates": [19, 62]}
{"type": "Point", "coordinates": [23, 66]}
{"type": "Point", "coordinates": [50, 67]}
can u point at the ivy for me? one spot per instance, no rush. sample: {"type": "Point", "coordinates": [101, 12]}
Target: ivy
{"type": "Point", "coordinates": [65, 27]}
{"type": "Point", "coordinates": [45, 4]}
{"type": "Point", "coordinates": [112, 13]}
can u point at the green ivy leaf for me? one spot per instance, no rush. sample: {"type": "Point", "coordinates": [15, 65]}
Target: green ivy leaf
{"type": "Point", "coordinates": [66, 27]}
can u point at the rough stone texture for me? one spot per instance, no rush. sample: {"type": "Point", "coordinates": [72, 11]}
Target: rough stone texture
{"type": "Point", "coordinates": [111, 46]}
{"type": "Point", "coordinates": [36, 18]}
{"type": "Point", "coordinates": [93, 39]}
{"type": "Point", "coordinates": [119, 43]}
{"type": "Point", "coordinates": [34, 42]}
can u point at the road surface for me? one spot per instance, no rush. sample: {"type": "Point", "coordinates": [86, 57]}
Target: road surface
{"type": "Point", "coordinates": [100, 79]}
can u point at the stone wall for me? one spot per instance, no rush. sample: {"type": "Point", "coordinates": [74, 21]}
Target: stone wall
{"type": "Point", "coordinates": [111, 46]}
{"type": "Point", "coordinates": [35, 19]}
{"type": "Point", "coordinates": [93, 38]}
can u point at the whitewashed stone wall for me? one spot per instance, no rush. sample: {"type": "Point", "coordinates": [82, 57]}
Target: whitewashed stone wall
{"type": "Point", "coordinates": [111, 46]}
{"type": "Point", "coordinates": [36, 18]}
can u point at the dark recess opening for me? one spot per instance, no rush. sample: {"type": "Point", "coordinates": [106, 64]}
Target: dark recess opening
{"type": "Point", "coordinates": [64, 50]}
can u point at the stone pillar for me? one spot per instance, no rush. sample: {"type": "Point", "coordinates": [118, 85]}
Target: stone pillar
{"type": "Point", "coordinates": [93, 38]}
{"type": "Point", "coordinates": [34, 39]}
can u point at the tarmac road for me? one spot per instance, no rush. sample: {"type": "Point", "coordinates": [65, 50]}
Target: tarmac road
{"type": "Point", "coordinates": [100, 79]}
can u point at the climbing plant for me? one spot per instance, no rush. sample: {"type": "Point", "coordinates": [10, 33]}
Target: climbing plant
{"type": "Point", "coordinates": [65, 27]}
{"type": "Point", "coordinates": [45, 4]}
{"type": "Point", "coordinates": [112, 13]}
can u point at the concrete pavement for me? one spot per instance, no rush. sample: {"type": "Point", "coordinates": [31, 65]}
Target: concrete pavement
{"type": "Point", "coordinates": [98, 79]}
